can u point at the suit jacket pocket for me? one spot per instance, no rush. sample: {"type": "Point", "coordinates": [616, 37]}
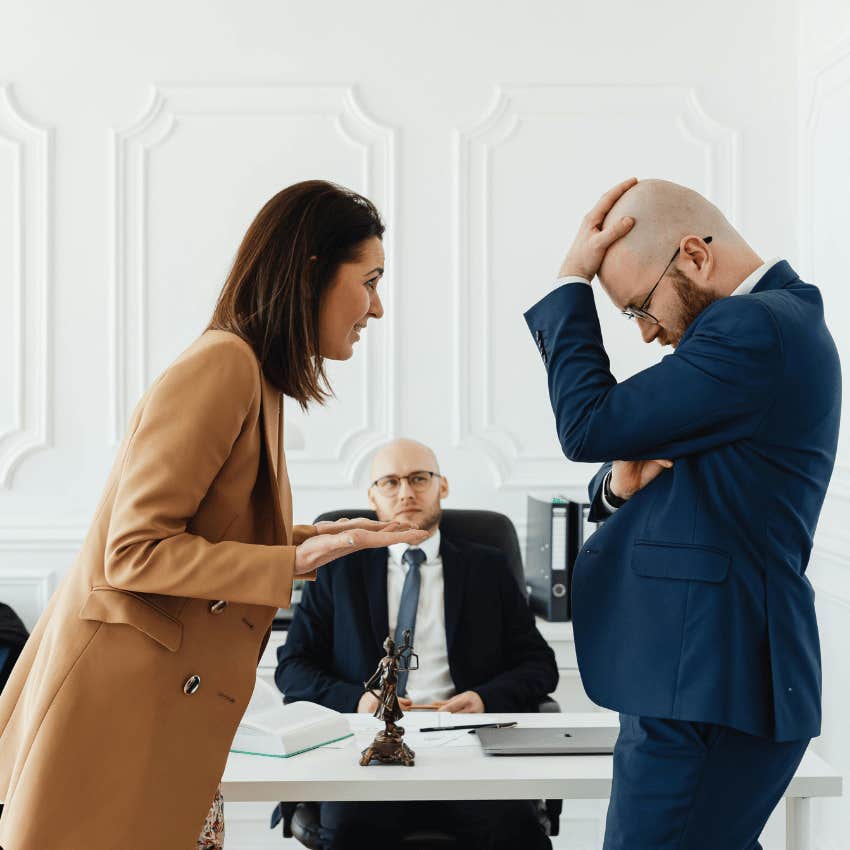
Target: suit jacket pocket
{"type": "Point", "coordinates": [687, 561]}
{"type": "Point", "coordinates": [109, 605]}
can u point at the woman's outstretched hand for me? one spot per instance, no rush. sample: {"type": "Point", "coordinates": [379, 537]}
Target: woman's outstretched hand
{"type": "Point", "coordinates": [335, 539]}
{"type": "Point", "coordinates": [345, 524]}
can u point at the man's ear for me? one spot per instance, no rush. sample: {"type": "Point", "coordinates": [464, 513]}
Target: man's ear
{"type": "Point", "coordinates": [697, 257]}
{"type": "Point", "coordinates": [372, 504]}
{"type": "Point", "coordinates": [444, 486]}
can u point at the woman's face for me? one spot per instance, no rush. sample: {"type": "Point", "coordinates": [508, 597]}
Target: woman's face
{"type": "Point", "coordinates": [350, 301]}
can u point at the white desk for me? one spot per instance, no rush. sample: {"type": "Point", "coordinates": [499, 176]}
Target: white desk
{"type": "Point", "coordinates": [465, 773]}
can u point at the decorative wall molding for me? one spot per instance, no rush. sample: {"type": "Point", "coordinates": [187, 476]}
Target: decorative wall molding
{"type": "Point", "coordinates": [828, 75]}
{"type": "Point", "coordinates": [30, 287]}
{"type": "Point", "coordinates": [514, 467]}
{"type": "Point", "coordinates": [833, 534]}
{"type": "Point", "coordinates": [336, 466]}
{"type": "Point", "coordinates": [37, 537]}
{"type": "Point", "coordinates": [41, 582]}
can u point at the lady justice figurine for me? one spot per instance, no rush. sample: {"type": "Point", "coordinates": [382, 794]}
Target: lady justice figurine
{"type": "Point", "coordinates": [388, 747]}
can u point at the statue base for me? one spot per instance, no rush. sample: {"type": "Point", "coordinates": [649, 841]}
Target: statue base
{"type": "Point", "coordinates": [388, 748]}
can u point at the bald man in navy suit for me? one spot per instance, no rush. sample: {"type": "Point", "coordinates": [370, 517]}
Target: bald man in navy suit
{"type": "Point", "coordinates": [692, 613]}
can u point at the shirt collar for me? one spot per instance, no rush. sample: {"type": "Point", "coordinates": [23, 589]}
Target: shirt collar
{"type": "Point", "coordinates": [431, 548]}
{"type": "Point", "coordinates": [749, 283]}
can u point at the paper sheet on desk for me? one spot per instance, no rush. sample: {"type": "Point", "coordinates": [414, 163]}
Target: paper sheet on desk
{"type": "Point", "coordinates": [364, 727]}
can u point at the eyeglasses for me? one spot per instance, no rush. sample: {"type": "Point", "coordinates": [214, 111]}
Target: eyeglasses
{"type": "Point", "coordinates": [418, 481]}
{"type": "Point", "coordinates": [641, 312]}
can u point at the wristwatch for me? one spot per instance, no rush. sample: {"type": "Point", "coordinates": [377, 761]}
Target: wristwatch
{"type": "Point", "coordinates": [614, 501]}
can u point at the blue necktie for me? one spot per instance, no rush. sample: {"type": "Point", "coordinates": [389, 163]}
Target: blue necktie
{"type": "Point", "coordinates": [407, 607]}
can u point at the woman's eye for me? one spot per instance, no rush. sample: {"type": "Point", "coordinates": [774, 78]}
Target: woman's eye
{"type": "Point", "coordinates": [372, 283]}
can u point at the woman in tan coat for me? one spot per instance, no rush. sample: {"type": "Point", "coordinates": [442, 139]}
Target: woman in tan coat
{"type": "Point", "coordinates": [116, 722]}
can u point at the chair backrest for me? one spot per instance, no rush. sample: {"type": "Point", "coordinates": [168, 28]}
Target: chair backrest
{"type": "Point", "coordinates": [489, 528]}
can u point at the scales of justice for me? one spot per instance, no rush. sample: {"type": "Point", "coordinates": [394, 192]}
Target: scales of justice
{"type": "Point", "coordinates": [388, 746]}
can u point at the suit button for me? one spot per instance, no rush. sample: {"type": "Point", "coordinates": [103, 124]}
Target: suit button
{"type": "Point", "coordinates": [218, 607]}
{"type": "Point", "coordinates": [191, 685]}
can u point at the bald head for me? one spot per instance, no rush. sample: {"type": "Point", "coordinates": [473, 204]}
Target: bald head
{"type": "Point", "coordinates": [402, 456]}
{"type": "Point", "coordinates": [664, 214]}
{"type": "Point", "coordinates": [408, 498]}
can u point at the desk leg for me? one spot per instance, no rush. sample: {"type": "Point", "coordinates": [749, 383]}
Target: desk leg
{"type": "Point", "coordinates": [798, 823]}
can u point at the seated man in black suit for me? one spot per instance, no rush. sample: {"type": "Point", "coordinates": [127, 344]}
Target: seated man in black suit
{"type": "Point", "coordinates": [478, 648]}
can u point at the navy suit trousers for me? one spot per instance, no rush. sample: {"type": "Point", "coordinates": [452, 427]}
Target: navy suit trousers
{"type": "Point", "coordinates": [694, 786]}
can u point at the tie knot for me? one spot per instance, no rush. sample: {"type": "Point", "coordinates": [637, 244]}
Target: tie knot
{"type": "Point", "coordinates": [414, 557]}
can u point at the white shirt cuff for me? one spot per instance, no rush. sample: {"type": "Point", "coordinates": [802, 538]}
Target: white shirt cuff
{"type": "Point", "coordinates": [606, 504]}
{"type": "Point", "coordinates": [572, 278]}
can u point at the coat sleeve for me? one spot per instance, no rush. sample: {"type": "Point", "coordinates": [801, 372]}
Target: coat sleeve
{"type": "Point", "coordinates": [598, 511]}
{"type": "Point", "coordinates": [530, 670]}
{"type": "Point", "coordinates": [305, 662]}
{"type": "Point", "coordinates": [191, 419]}
{"type": "Point", "coordinates": [716, 388]}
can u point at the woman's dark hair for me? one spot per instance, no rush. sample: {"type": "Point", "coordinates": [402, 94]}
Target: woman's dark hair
{"type": "Point", "coordinates": [286, 261]}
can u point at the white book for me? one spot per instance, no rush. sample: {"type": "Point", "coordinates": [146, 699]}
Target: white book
{"type": "Point", "coordinates": [270, 728]}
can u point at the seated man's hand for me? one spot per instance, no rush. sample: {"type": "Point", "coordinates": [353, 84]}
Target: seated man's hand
{"type": "Point", "coordinates": [592, 241]}
{"type": "Point", "coordinates": [629, 476]}
{"type": "Point", "coordinates": [466, 703]}
{"type": "Point", "coordinates": [368, 703]}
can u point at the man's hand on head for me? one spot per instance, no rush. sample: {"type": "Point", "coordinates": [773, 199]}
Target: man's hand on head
{"type": "Point", "coordinates": [629, 476]}
{"type": "Point", "coordinates": [592, 241]}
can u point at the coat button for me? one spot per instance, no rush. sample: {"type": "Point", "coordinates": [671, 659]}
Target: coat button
{"type": "Point", "coordinates": [218, 607]}
{"type": "Point", "coordinates": [192, 684]}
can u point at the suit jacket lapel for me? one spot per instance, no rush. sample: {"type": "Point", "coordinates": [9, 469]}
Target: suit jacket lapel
{"type": "Point", "coordinates": [376, 592]}
{"type": "Point", "coordinates": [454, 584]}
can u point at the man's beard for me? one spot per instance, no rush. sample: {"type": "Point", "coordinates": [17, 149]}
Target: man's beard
{"type": "Point", "coordinates": [428, 519]}
{"type": "Point", "coordinates": [693, 300]}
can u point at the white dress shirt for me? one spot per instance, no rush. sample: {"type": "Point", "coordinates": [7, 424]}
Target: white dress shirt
{"type": "Point", "coordinates": [432, 681]}
{"type": "Point", "coordinates": [744, 288]}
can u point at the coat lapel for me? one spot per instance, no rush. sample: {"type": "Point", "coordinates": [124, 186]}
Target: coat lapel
{"type": "Point", "coordinates": [454, 583]}
{"type": "Point", "coordinates": [376, 592]}
{"type": "Point", "coordinates": [272, 412]}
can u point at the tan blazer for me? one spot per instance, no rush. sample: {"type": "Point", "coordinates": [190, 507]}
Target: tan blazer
{"type": "Point", "coordinates": [117, 719]}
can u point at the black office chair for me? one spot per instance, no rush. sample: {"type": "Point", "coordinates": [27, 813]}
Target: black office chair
{"type": "Point", "coordinates": [490, 528]}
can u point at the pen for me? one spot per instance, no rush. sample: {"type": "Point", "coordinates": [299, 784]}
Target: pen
{"type": "Point", "coordinates": [471, 727]}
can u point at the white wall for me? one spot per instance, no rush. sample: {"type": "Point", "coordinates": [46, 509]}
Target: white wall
{"type": "Point", "coordinates": [824, 174]}
{"type": "Point", "coordinates": [138, 140]}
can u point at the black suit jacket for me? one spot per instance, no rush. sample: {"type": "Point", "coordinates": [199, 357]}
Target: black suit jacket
{"type": "Point", "coordinates": [335, 640]}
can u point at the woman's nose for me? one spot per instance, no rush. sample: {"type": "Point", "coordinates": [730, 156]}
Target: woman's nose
{"type": "Point", "coordinates": [376, 308]}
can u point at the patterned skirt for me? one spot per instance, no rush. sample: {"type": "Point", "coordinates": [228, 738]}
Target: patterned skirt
{"type": "Point", "coordinates": [212, 835]}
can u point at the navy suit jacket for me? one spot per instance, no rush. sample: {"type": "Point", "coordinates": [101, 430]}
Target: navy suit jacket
{"type": "Point", "coordinates": [336, 637]}
{"type": "Point", "coordinates": [691, 601]}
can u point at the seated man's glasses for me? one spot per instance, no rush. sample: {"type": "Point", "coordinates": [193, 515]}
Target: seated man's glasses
{"type": "Point", "coordinates": [418, 481]}
{"type": "Point", "coordinates": [641, 312]}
